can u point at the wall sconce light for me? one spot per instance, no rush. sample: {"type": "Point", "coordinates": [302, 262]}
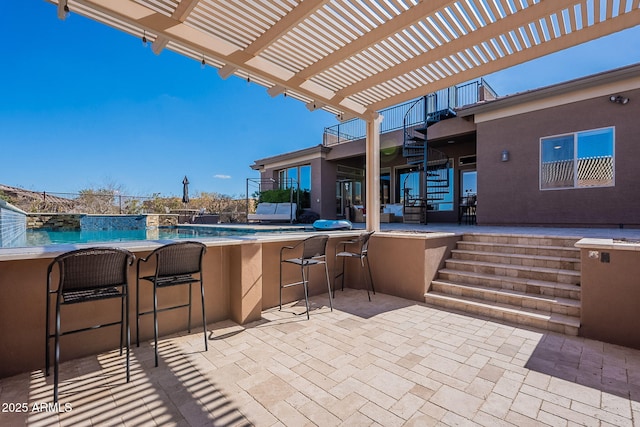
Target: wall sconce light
{"type": "Point", "coordinates": [619, 99]}
{"type": "Point", "coordinates": [504, 156]}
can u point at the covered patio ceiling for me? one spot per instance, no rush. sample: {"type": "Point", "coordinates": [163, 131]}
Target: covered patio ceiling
{"type": "Point", "coordinates": [355, 57]}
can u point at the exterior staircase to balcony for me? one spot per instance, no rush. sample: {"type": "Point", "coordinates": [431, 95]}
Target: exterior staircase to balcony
{"type": "Point", "coordinates": [526, 280]}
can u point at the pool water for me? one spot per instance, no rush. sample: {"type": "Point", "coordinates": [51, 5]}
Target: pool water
{"type": "Point", "coordinates": [47, 237]}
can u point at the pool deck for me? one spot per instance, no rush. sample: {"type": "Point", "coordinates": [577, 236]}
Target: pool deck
{"type": "Point", "coordinates": [604, 233]}
{"type": "Point", "coordinates": [388, 362]}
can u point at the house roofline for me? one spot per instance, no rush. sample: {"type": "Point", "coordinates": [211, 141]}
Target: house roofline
{"type": "Point", "coordinates": [318, 149]}
{"type": "Point", "coordinates": [618, 74]}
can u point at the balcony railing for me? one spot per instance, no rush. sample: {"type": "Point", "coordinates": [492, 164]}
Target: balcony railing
{"type": "Point", "coordinates": [453, 97]}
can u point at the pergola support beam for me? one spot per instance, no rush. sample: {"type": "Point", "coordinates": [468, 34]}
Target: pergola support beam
{"type": "Point", "coordinates": [372, 173]}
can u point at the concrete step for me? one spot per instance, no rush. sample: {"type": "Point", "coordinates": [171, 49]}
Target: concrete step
{"type": "Point", "coordinates": [513, 239]}
{"type": "Point", "coordinates": [530, 286]}
{"type": "Point", "coordinates": [528, 317]}
{"type": "Point", "coordinates": [554, 262]}
{"type": "Point", "coordinates": [571, 277]}
{"type": "Point", "coordinates": [560, 251]}
{"type": "Point", "coordinates": [517, 299]}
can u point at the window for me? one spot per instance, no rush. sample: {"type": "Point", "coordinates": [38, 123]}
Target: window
{"type": "Point", "coordinates": [577, 160]}
{"type": "Point", "coordinates": [305, 177]}
{"type": "Point", "coordinates": [407, 184]}
{"type": "Point", "coordinates": [298, 177]}
{"type": "Point", "coordinates": [440, 188]}
{"type": "Point", "coordinates": [385, 187]}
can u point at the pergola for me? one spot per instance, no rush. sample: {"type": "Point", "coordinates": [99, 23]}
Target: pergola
{"type": "Point", "coordinates": [356, 57]}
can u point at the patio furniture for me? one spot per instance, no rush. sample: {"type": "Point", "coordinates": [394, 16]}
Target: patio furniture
{"type": "Point", "coordinates": [313, 253]}
{"type": "Point", "coordinates": [359, 249]}
{"type": "Point", "coordinates": [467, 209]}
{"type": "Point", "coordinates": [359, 213]}
{"type": "Point", "coordinates": [86, 275]}
{"type": "Point", "coordinates": [176, 264]}
{"type": "Point", "coordinates": [274, 212]}
{"type": "Point", "coordinates": [392, 212]}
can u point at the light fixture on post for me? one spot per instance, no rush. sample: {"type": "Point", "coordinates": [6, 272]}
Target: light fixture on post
{"type": "Point", "coordinates": [619, 99]}
{"type": "Point", "coordinates": [504, 156]}
{"type": "Point", "coordinates": [144, 38]}
{"type": "Point", "coordinates": [63, 10]}
{"type": "Point", "coordinates": [203, 63]}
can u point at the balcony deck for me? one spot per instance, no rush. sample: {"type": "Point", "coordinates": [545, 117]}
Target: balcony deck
{"type": "Point", "coordinates": [387, 362]}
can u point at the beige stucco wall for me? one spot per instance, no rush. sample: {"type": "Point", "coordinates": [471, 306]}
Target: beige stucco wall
{"type": "Point", "coordinates": [404, 265]}
{"type": "Point", "coordinates": [610, 292]}
{"type": "Point", "coordinates": [22, 312]}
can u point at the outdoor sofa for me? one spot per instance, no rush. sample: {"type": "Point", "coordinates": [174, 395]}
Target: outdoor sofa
{"type": "Point", "coordinates": [274, 212]}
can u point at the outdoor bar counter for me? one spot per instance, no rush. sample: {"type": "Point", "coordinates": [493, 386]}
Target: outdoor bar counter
{"type": "Point", "coordinates": [241, 279]}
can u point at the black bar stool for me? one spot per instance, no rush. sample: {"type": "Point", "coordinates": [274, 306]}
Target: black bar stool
{"type": "Point", "coordinates": [313, 253]}
{"type": "Point", "coordinates": [87, 275]}
{"type": "Point", "coordinates": [176, 264]}
{"type": "Point", "coordinates": [359, 250]}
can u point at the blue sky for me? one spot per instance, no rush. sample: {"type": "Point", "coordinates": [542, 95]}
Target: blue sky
{"type": "Point", "coordinates": [86, 106]}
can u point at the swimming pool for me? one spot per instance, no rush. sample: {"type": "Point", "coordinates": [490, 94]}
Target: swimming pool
{"type": "Point", "coordinates": [45, 237]}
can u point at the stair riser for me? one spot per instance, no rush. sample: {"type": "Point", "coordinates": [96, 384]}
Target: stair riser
{"type": "Point", "coordinates": [494, 313]}
{"type": "Point", "coordinates": [521, 240]}
{"type": "Point", "coordinates": [521, 261]}
{"type": "Point", "coordinates": [514, 300]}
{"type": "Point", "coordinates": [518, 250]}
{"type": "Point", "coordinates": [504, 283]}
{"type": "Point", "coordinates": [513, 271]}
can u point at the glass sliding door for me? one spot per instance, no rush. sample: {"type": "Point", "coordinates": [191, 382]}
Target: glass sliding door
{"type": "Point", "coordinates": [349, 189]}
{"type": "Point", "coordinates": [407, 184]}
{"type": "Point", "coordinates": [468, 183]}
{"type": "Point", "coordinates": [385, 187]}
{"type": "Point", "coordinates": [344, 198]}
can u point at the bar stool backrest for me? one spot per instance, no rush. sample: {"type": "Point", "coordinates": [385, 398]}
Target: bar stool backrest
{"type": "Point", "coordinates": [315, 246]}
{"type": "Point", "coordinates": [364, 241]}
{"type": "Point", "coordinates": [92, 268]}
{"type": "Point", "coordinates": [180, 258]}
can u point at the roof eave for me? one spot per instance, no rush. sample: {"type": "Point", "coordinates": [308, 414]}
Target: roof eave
{"type": "Point", "coordinates": [319, 149]}
{"type": "Point", "coordinates": [590, 81]}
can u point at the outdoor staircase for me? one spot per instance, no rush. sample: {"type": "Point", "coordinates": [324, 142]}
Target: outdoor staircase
{"type": "Point", "coordinates": [433, 163]}
{"type": "Point", "coordinates": [525, 280]}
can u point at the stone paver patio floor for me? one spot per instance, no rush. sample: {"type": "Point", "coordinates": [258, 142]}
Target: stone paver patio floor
{"type": "Point", "coordinates": [389, 362]}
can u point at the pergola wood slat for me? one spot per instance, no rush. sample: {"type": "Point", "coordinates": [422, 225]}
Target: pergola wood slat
{"type": "Point", "coordinates": [359, 56]}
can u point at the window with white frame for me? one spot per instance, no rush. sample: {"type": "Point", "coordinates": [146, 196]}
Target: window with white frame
{"type": "Point", "coordinates": [577, 160]}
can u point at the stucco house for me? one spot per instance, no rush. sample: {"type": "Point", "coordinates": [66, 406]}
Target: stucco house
{"type": "Point", "coordinates": [561, 155]}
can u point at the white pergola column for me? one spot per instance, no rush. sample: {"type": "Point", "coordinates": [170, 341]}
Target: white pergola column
{"type": "Point", "coordinates": [372, 173]}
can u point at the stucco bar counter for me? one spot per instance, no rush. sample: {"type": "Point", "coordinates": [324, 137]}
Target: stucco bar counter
{"type": "Point", "coordinates": [241, 279]}
{"type": "Point", "coordinates": [610, 290]}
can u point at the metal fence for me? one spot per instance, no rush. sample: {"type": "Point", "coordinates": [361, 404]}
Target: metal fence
{"type": "Point", "coordinates": [108, 203]}
{"type": "Point", "coordinates": [453, 97]}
